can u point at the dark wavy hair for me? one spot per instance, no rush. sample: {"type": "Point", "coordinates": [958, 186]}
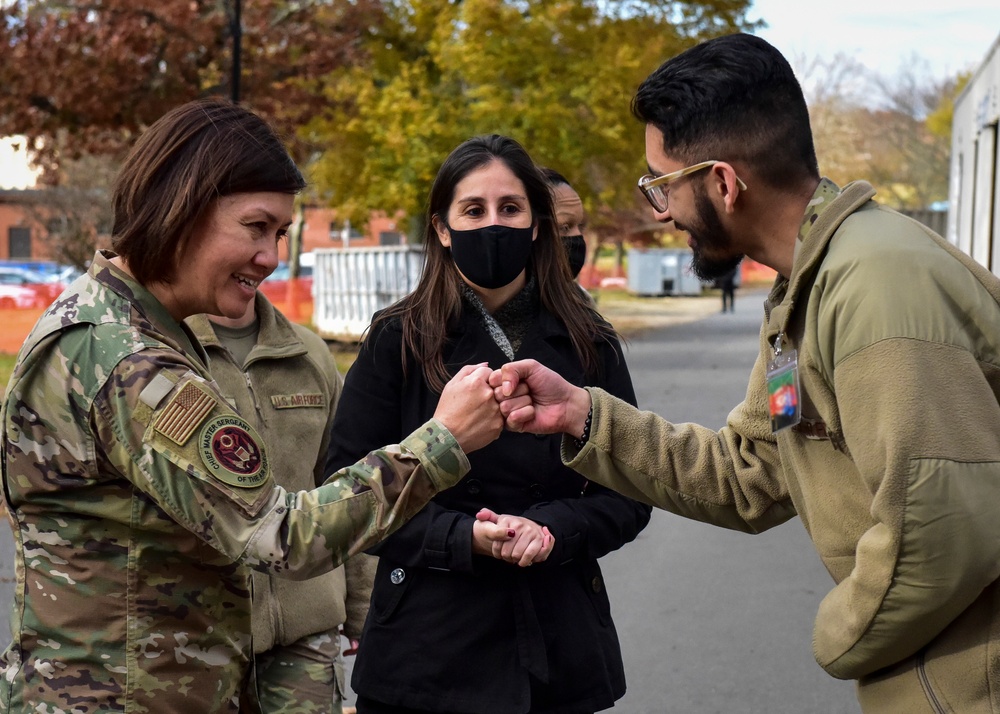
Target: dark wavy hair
{"type": "Point", "coordinates": [732, 98]}
{"type": "Point", "coordinates": [181, 164]}
{"type": "Point", "coordinates": [436, 303]}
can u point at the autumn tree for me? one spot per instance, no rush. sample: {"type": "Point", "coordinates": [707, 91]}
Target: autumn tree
{"type": "Point", "coordinates": [76, 212]}
{"type": "Point", "coordinates": [910, 146]}
{"type": "Point", "coordinates": [82, 78]}
{"type": "Point", "coordinates": [894, 131]}
{"type": "Point", "coordinates": [97, 73]}
{"type": "Point", "coordinates": [557, 75]}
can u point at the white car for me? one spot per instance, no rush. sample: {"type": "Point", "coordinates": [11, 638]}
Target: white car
{"type": "Point", "coordinates": [17, 296]}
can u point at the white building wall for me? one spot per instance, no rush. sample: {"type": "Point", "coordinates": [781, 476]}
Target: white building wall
{"type": "Point", "coordinates": [974, 194]}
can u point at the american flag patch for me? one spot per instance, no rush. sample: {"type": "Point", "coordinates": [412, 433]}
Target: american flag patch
{"type": "Point", "coordinates": [184, 413]}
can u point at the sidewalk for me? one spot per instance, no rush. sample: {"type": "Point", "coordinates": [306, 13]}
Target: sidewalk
{"type": "Point", "coordinates": [633, 315]}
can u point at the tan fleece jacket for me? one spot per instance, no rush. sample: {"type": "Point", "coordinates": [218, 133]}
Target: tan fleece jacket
{"type": "Point", "coordinates": [291, 385]}
{"type": "Point", "coordinates": [895, 470]}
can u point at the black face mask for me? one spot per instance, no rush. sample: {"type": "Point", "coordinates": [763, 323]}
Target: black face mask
{"type": "Point", "coordinates": [576, 249]}
{"type": "Point", "coordinates": [493, 256]}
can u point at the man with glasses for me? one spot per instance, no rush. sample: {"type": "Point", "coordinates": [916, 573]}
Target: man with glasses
{"type": "Point", "coordinates": [872, 411]}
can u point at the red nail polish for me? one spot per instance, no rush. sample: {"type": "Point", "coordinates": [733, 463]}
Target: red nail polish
{"type": "Point", "coordinates": [511, 532]}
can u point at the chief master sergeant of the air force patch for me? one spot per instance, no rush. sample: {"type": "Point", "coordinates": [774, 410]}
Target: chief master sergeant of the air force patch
{"type": "Point", "coordinates": [231, 450]}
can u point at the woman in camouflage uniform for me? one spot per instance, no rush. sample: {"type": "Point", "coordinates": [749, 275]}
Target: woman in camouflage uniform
{"type": "Point", "coordinates": [137, 496]}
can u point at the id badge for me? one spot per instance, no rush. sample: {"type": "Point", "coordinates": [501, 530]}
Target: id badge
{"type": "Point", "coordinates": [783, 390]}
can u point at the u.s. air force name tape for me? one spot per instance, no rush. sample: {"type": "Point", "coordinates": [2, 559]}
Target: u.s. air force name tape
{"type": "Point", "coordinates": [290, 401]}
{"type": "Point", "coordinates": [233, 452]}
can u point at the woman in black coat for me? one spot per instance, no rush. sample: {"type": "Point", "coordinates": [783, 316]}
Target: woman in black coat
{"type": "Point", "coordinates": [490, 599]}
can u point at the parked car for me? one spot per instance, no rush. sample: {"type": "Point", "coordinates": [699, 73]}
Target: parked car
{"type": "Point", "coordinates": [275, 286]}
{"type": "Point", "coordinates": [18, 296]}
{"type": "Point", "coordinates": [45, 287]}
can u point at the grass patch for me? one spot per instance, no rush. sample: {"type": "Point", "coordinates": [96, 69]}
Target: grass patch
{"type": "Point", "coordinates": [6, 368]}
{"type": "Point", "coordinates": [344, 354]}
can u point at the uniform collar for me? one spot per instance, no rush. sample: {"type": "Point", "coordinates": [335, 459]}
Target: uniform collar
{"type": "Point", "coordinates": [819, 223]}
{"type": "Point", "coordinates": [118, 281]}
{"type": "Point", "coordinates": [275, 338]}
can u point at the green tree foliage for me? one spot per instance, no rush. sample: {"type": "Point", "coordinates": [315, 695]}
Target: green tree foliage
{"type": "Point", "coordinates": [557, 75]}
{"type": "Point", "coordinates": [910, 141]}
{"type": "Point", "coordinates": [940, 119]}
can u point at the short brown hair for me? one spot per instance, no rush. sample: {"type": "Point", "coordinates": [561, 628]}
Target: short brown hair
{"type": "Point", "coordinates": [187, 159]}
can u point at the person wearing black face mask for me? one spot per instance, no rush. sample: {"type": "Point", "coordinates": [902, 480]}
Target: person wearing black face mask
{"type": "Point", "coordinates": [571, 221]}
{"type": "Point", "coordinates": [457, 625]}
{"type": "Point", "coordinates": [570, 218]}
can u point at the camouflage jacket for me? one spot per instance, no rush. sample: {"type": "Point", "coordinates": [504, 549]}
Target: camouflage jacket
{"type": "Point", "coordinates": [138, 497]}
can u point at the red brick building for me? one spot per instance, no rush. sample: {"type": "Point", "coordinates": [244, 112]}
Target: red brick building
{"type": "Point", "coordinates": [20, 236]}
{"type": "Point", "coordinates": [324, 230]}
{"type": "Point", "coordinates": [23, 239]}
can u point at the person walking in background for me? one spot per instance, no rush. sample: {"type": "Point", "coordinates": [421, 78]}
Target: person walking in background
{"type": "Point", "coordinates": [727, 284]}
{"type": "Point", "coordinates": [871, 411]}
{"type": "Point", "coordinates": [138, 497]}
{"type": "Point", "coordinates": [283, 379]}
{"type": "Point", "coordinates": [458, 623]}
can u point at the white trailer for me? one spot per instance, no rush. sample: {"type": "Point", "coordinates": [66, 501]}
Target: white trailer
{"type": "Point", "coordinates": [351, 284]}
{"type": "Point", "coordinates": [973, 194]}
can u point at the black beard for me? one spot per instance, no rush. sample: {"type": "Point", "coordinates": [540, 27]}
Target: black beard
{"type": "Point", "coordinates": [710, 233]}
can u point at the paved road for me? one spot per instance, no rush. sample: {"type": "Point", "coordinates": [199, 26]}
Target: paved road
{"type": "Point", "coordinates": [710, 621]}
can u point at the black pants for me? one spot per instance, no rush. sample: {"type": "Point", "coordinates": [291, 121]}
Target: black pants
{"type": "Point", "coordinates": [728, 295]}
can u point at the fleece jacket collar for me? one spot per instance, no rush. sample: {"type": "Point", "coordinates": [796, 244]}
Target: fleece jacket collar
{"type": "Point", "coordinates": [275, 340]}
{"type": "Point", "coordinates": [785, 293]}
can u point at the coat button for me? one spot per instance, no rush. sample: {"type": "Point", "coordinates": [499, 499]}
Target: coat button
{"type": "Point", "coordinates": [595, 584]}
{"type": "Point", "coordinates": [397, 576]}
{"type": "Point", "coordinates": [536, 490]}
{"type": "Point", "coordinates": [473, 486]}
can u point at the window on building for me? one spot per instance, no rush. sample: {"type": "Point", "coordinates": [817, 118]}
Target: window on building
{"type": "Point", "coordinates": [337, 231]}
{"type": "Point", "coordinates": [390, 238]}
{"type": "Point", "coordinates": [19, 242]}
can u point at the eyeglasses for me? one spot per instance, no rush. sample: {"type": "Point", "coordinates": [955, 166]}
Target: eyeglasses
{"type": "Point", "coordinates": [656, 188]}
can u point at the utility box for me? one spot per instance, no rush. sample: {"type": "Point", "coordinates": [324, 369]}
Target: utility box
{"type": "Point", "coordinates": [352, 284]}
{"type": "Point", "coordinates": [662, 271]}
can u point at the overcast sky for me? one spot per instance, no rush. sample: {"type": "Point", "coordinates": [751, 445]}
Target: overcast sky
{"type": "Point", "coordinates": [951, 35]}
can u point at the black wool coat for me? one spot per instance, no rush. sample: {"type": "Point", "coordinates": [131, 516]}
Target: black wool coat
{"type": "Point", "coordinates": [451, 631]}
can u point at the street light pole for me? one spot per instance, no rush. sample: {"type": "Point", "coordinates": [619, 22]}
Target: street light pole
{"type": "Point", "coordinates": [237, 32]}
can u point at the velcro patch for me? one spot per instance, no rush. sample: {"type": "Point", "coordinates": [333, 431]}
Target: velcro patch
{"type": "Point", "coordinates": [184, 413]}
{"type": "Point", "coordinates": [160, 386]}
{"type": "Point", "coordinates": [233, 452]}
{"type": "Point", "coordinates": [290, 401]}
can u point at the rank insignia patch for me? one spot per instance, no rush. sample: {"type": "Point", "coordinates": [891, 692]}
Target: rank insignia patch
{"type": "Point", "coordinates": [184, 413]}
{"type": "Point", "coordinates": [233, 452]}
